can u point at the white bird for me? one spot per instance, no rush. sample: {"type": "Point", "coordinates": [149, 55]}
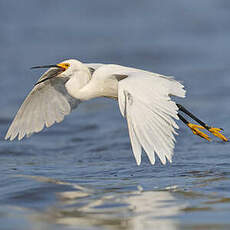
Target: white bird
{"type": "Point", "coordinates": [144, 100]}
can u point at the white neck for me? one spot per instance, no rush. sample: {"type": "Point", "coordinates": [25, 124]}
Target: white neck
{"type": "Point", "coordinates": [78, 86]}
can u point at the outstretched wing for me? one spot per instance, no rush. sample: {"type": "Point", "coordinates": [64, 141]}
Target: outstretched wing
{"type": "Point", "coordinates": [146, 104]}
{"type": "Point", "coordinates": [47, 103]}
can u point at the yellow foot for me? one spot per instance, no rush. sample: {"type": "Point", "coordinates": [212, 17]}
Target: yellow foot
{"type": "Point", "coordinates": [216, 132]}
{"type": "Point", "coordinates": [196, 131]}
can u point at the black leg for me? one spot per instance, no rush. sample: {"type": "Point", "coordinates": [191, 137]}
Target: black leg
{"type": "Point", "coordinates": [184, 110]}
{"type": "Point", "coordinates": [195, 128]}
{"type": "Point", "coordinates": [183, 119]}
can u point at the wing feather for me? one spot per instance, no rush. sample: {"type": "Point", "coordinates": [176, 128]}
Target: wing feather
{"type": "Point", "coordinates": [136, 146]}
{"type": "Point", "coordinates": [144, 100]}
{"type": "Point", "coordinates": [47, 103]}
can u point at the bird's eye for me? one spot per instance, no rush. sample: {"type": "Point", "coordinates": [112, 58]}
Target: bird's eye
{"type": "Point", "coordinates": [67, 65]}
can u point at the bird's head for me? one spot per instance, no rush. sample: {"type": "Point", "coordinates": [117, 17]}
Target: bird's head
{"type": "Point", "coordinates": [65, 69]}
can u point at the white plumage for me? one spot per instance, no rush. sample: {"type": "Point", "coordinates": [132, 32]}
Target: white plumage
{"type": "Point", "coordinates": [149, 111]}
{"type": "Point", "coordinates": [143, 97]}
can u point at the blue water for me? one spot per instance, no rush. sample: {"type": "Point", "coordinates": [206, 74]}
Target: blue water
{"type": "Point", "coordinates": [81, 174]}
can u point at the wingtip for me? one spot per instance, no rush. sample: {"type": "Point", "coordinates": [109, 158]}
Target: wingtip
{"type": "Point", "coordinates": [162, 159]}
{"type": "Point", "coordinates": [7, 136]}
{"type": "Point", "coordinates": [152, 160]}
{"type": "Point", "coordinates": [20, 137]}
{"type": "Point", "coordinates": [169, 158]}
{"type": "Point", "coordinates": [11, 138]}
{"type": "Point", "coordinates": [138, 161]}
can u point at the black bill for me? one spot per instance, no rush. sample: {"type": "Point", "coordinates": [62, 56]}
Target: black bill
{"type": "Point", "coordinates": [50, 74]}
{"type": "Point", "coordinates": [46, 66]}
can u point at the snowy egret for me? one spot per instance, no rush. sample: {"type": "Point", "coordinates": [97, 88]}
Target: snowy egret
{"type": "Point", "coordinates": [144, 100]}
